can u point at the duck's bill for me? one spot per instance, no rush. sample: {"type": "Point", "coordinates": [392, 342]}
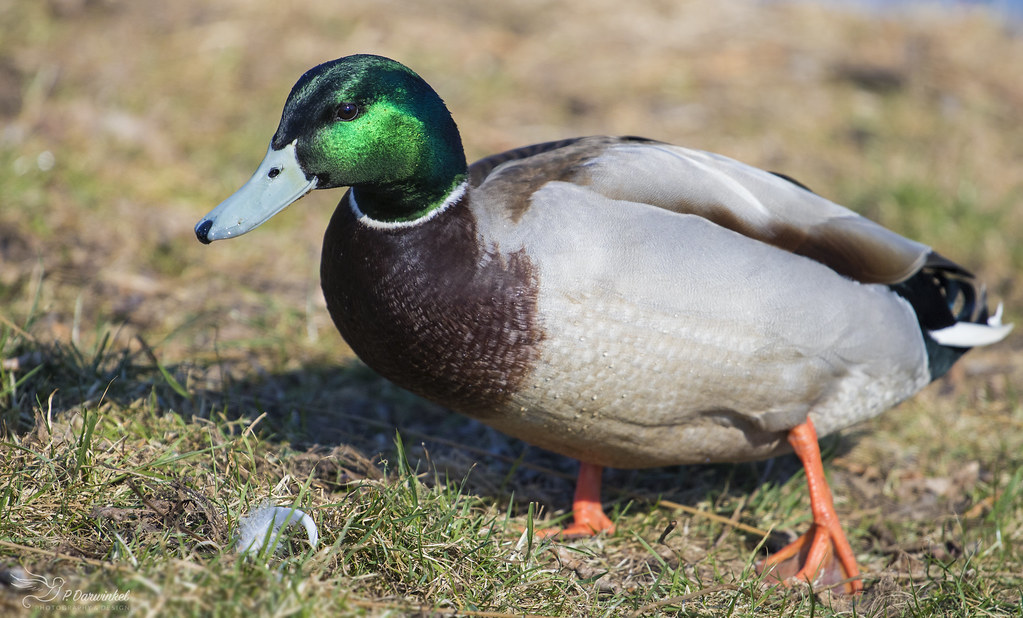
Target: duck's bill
{"type": "Point", "coordinates": [278, 182]}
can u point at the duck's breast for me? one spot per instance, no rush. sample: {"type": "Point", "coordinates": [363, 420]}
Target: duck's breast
{"type": "Point", "coordinates": [428, 308]}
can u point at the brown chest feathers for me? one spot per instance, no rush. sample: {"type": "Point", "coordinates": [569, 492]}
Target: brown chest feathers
{"type": "Point", "coordinates": [430, 310]}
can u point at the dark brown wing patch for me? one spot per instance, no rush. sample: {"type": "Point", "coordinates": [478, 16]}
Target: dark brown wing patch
{"type": "Point", "coordinates": [537, 165]}
{"type": "Point", "coordinates": [479, 170]}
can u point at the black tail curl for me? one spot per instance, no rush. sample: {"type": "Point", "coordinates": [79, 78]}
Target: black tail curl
{"type": "Point", "coordinates": [943, 293]}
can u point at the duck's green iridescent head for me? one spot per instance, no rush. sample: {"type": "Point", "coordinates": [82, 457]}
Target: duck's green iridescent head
{"type": "Point", "coordinates": [362, 121]}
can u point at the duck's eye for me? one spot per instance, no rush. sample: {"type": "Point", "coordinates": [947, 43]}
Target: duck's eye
{"type": "Point", "coordinates": [346, 112]}
{"type": "Point", "coordinates": [273, 173]}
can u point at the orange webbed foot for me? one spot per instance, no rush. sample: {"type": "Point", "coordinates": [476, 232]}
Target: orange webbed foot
{"type": "Point", "coordinates": [822, 556]}
{"type": "Point", "coordinates": [810, 559]}
{"type": "Point", "coordinates": [586, 509]}
{"type": "Point", "coordinates": [589, 522]}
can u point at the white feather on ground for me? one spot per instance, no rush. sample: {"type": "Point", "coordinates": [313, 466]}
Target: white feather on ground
{"type": "Point", "coordinates": [261, 529]}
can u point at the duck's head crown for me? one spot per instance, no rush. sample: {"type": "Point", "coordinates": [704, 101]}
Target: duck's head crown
{"type": "Point", "coordinates": [362, 121]}
{"type": "Point", "coordinates": [372, 123]}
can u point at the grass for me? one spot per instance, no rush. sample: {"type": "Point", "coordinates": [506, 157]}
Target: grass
{"type": "Point", "coordinates": [122, 492]}
{"type": "Point", "coordinates": [153, 391]}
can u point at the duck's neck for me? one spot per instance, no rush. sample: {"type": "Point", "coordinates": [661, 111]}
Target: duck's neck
{"type": "Point", "coordinates": [397, 204]}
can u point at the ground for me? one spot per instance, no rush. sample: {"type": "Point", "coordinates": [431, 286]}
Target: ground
{"type": "Point", "coordinates": [155, 390]}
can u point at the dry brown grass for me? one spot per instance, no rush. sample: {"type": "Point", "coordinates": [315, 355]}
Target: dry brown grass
{"type": "Point", "coordinates": [152, 112]}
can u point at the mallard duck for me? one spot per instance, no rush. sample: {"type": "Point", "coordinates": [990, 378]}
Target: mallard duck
{"type": "Point", "coordinates": [619, 300]}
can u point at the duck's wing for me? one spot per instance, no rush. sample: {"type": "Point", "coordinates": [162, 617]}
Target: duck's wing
{"type": "Point", "coordinates": [781, 212]}
{"type": "Point", "coordinates": [768, 207]}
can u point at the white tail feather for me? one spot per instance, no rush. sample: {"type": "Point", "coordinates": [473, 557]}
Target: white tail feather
{"type": "Point", "coordinates": [969, 334]}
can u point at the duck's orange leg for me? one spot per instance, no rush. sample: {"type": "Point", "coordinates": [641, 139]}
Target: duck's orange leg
{"type": "Point", "coordinates": [812, 557]}
{"type": "Point", "coordinates": [589, 515]}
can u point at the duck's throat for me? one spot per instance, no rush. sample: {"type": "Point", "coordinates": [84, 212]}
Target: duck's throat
{"type": "Point", "coordinates": [403, 206]}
